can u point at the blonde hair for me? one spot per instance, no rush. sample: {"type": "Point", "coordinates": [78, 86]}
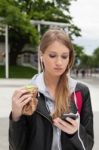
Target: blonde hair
{"type": "Point", "coordinates": [62, 91]}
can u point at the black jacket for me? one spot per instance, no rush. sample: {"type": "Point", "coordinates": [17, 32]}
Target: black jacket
{"type": "Point", "coordinates": [35, 132]}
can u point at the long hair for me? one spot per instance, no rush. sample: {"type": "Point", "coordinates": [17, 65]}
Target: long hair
{"type": "Point", "coordinates": [62, 103]}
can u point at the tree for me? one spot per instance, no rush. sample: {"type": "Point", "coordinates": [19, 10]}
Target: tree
{"type": "Point", "coordinates": [96, 57]}
{"type": "Point", "coordinates": [18, 13]}
{"type": "Point", "coordinates": [86, 61]}
{"type": "Point", "coordinates": [54, 10]}
{"type": "Point", "coordinates": [79, 52]}
{"type": "Point", "coordinates": [20, 29]}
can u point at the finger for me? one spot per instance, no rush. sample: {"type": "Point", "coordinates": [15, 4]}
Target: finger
{"type": "Point", "coordinates": [25, 101]}
{"type": "Point", "coordinates": [60, 126]}
{"type": "Point", "coordinates": [64, 126]}
{"type": "Point", "coordinates": [64, 123]}
{"type": "Point", "coordinates": [24, 97]}
{"type": "Point", "coordinates": [72, 121]}
{"type": "Point", "coordinates": [19, 93]}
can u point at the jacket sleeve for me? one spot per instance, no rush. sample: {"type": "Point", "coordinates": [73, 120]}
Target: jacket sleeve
{"type": "Point", "coordinates": [86, 134]}
{"type": "Point", "coordinates": [17, 134]}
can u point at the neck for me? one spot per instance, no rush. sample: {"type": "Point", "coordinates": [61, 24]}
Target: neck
{"type": "Point", "coordinates": [50, 81]}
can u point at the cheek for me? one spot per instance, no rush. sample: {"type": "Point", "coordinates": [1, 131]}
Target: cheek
{"type": "Point", "coordinates": [47, 62]}
{"type": "Point", "coordinates": [66, 63]}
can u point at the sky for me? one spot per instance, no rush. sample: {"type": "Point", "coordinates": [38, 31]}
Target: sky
{"type": "Point", "coordinates": [85, 15]}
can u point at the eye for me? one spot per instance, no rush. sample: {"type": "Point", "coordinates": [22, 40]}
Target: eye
{"type": "Point", "coordinates": [52, 55]}
{"type": "Point", "coordinates": [65, 57]}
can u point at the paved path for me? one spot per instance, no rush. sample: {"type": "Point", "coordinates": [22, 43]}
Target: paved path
{"type": "Point", "coordinates": [8, 86]}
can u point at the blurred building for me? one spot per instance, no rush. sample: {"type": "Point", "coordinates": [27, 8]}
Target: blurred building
{"type": "Point", "coordinates": [27, 57]}
{"type": "Point", "coordinates": [2, 53]}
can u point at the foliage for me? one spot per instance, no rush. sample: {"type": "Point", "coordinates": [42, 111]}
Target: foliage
{"type": "Point", "coordinates": [79, 52]}
{"type": "Point", "coordinates": [20, 29]}
{"type": "Point", "coordinates": [18, 13]}
{"type": "Point", "coordinates": [57, 11]}
{"type": "Point", "coordinates": [17, 21]}
{"type": "Point", "coordinates": [96, 57]}
{"type": "Point", "coordinates": [86, 61]}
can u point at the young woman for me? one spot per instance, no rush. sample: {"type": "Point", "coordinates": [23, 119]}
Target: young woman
{"type": "Point", "coordinates": [45, 129]}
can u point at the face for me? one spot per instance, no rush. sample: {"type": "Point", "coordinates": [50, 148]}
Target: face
{"type": "Point", "coordinates": [55, 59]}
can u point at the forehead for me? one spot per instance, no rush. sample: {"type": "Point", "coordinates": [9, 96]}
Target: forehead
{"type": "Point", "coordinates": [57, 47]}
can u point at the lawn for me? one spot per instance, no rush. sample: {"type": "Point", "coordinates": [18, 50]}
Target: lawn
{"type": "Point", "coordinates": [18, 72]}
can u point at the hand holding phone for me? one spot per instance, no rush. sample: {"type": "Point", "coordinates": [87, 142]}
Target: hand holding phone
{"type": "Point", "coordinates": [70, 125]}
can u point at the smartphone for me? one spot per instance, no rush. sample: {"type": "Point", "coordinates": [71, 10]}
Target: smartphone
{"type": "Point", "coordinates": [71, 115]}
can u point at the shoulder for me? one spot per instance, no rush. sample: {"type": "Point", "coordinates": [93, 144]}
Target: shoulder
{"type": "Point", "coordinates": [81, 86]}
{"type": "Point", "coordinates": [76, 85]}
{"type": "Point", "coordinates": [34, 77]}
{"type": "Point", "coordinates": [84, 89]}
{"type": "Point", "coordinates": [37, 79]}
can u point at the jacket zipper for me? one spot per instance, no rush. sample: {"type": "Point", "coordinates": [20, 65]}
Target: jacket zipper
{"type": "Point", "coordinates": [44, 116]}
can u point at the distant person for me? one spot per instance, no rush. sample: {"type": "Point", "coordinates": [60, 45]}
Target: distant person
{"type": "Point", "coordinates": [83, 72]}
{"type": "Point", "coordinates": [47, 128]}
{"type": "Point", "coordinates": [77, 72]}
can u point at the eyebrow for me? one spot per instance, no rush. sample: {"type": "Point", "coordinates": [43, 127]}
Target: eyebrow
{"type": "Point", "coordinates": [64, 53]}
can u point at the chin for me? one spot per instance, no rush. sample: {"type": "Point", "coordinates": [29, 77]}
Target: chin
{"type": "Point", "coordinates": [58, 74]}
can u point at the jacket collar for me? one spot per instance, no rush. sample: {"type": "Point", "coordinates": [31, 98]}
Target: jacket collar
{"type": "Point", "coordinates": [41, 108]}
{"type": "Point", "coordinates": [38, 80]}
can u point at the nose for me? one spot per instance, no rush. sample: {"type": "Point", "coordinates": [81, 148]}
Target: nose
{"type": "Point", "coordinates": [59, 61]}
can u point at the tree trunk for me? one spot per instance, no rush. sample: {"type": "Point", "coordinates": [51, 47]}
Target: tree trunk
{"type": "Point", "coordinates": [13, 58]}
{"type": "Point", "coordinates": [15, 49]}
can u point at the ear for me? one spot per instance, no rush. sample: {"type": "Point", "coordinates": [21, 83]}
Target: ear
{"type": "Point", "coordinates": [41, 58]}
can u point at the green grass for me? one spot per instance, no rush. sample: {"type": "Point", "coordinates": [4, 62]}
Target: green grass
{"type": "Point", "coordinates": [18, 72]}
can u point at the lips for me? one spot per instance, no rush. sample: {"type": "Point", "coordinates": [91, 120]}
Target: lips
{"type": "Point", "coordinates": [58, 68]}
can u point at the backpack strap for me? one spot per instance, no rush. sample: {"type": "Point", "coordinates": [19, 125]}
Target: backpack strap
{"type": "Point", "coordinates": [77, 98]}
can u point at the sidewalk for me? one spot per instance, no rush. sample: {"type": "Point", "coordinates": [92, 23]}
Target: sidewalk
{"type": "Point", "coordinates": [7, 87]}
{"type": "Point", "coordinates": [13, 82]}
